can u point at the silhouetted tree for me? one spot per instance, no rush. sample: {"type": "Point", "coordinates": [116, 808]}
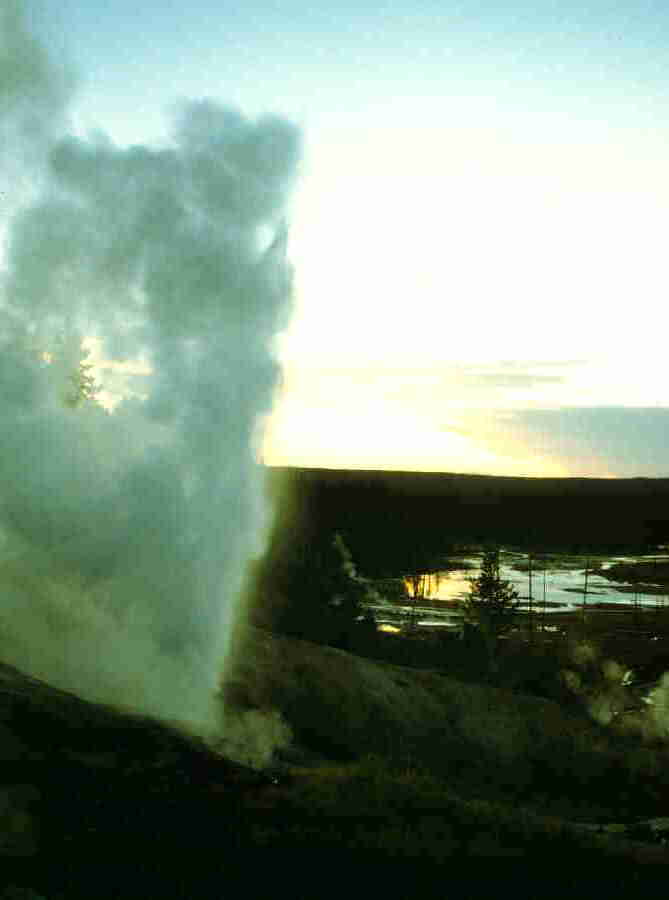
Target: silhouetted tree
{"type": "Point", "coordinates": [83, 387]}
{"type": "Point", "coordinates": [491, 605]}
{"type": "Point", "coordinates": [67, 362]}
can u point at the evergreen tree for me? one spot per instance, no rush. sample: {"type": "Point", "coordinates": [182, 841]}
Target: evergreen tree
{"type": "Point", "coordinates": [83, 387]}
{"type": "Point", "coordinates": [71, 374]}
{"type": "Point", "coordinates": [491, 605]}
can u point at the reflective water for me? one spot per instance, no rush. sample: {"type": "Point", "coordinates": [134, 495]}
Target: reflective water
{"type": "Point", "coordinates": [555, 587]}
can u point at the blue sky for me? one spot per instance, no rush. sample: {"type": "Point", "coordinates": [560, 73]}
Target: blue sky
{"type": "Point", "coordinates": [479, 230]}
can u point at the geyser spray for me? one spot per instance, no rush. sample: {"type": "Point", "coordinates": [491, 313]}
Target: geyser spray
{"type": "Point", "coordinates": [124, 537]}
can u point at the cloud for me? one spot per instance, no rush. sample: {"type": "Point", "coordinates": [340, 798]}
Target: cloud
{"type": "Point", "coordinates": [625, 442]}
{"type": "Point", "coordinates": [533, 364]}
{"type": "Point", "coordinates": [517, 380]}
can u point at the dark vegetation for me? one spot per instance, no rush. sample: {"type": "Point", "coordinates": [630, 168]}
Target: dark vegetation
{"type": "Point", "coordinates": [412, 758]}
{"type": "Point", "coordinates": [418, 783]}
{"type": "Point", "coordinates": [394, 524]}
{"type": "Point", "coordinates": [491, 606]}
{"type": "Point", "coordinates": [393, 519]}
{"type": "Point", "coordinates": [317, 594]}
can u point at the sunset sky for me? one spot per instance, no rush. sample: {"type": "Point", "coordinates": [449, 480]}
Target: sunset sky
{"type": "Point", "coordinates": [479, 232]}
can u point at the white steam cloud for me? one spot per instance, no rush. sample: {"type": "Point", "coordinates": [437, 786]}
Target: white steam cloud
{"type": "Point", "coordinates": [124, 538]}
{"type": "Point", "coordinates": [34, 95]}
{"type": "Point", "coordinates": [602, 687]}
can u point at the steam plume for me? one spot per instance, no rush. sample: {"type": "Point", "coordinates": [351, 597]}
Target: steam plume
{"type": "Point", "coordinates": [125, 536]}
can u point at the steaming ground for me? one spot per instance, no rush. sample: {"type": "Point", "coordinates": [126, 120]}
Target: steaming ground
{"type": "Point", "coordinates": [341, 706]}
{"type": "Point", "coordinates": [124, 537]}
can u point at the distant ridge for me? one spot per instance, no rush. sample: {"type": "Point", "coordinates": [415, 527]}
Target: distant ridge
{"type": "Point", "coordinates": [469, 476]}
{"type": "Point", "coordinates": [381, 508]}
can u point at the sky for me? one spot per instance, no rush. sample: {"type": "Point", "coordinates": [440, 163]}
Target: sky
{"type": "Point", "coordinates": [478, 230]}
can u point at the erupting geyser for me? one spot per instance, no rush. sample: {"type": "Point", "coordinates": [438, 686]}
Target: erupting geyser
{"type": "Point", "coordinates": [125, 535]}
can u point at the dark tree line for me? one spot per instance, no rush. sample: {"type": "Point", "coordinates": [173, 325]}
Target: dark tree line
{"type": "Point", "coordinates": [313, 591]}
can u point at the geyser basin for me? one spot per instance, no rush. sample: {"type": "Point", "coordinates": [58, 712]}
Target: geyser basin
{"type": "Point", "coordinates": [125, 535]}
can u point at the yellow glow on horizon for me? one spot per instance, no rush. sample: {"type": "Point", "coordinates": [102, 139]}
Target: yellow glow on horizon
{"type": "Point", "coordinates": [421, 456]}
{"type": "Point", "coordinates": [440, 248]}
{"type": "Point", "coordinates": [361, 419]}
{"type": "Point", "coordinates": [443, 247]}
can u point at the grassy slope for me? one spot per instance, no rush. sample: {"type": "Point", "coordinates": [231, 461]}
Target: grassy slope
{"type": "Point", "coordinates": [439, 767]}
{"type": "Point", "coordinates": [413, 768]}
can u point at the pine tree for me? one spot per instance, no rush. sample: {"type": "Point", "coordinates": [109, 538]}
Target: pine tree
{"type": "Point", "coordinates": [84, 389]}
{"type": "Point", "coordinates": [71, 373]}
{"type": "Point", "coordinates": [491, 605]}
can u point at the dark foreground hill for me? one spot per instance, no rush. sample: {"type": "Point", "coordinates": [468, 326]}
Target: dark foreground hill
{"type": "Point", "coordinates": [83, 786]}
{"type": "Point", "coordinates": [394, 777]}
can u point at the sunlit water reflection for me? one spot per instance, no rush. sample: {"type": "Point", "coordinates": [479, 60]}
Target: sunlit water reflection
{"type": "Point", "coordinates": [553, 590]}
